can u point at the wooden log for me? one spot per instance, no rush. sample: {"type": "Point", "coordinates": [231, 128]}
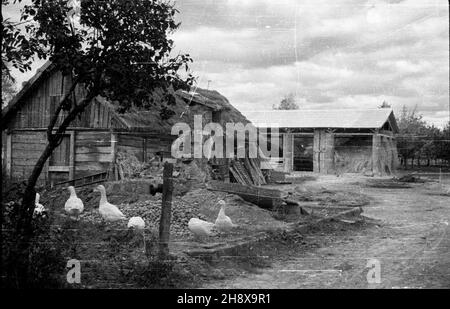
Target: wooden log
{"type": "Point", "coordinates": [236, 175]}
{"type": "Point", "coordinates": [166, 211]}
{"type": "Point", "coordinates": [264, 198]}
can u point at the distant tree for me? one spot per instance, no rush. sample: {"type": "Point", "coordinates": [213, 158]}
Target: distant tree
{"type": "Point", "coordinates": [443, 145]}
{"type": "Point", "coordinates": [119, 49]}
{"type": "Point", "coordinates": [412, 134]}
{"type": "Point", "coordinates": [287, 103]}
{"type": "Point", "coordinates": [430, 149]}
{"type": "Point", "coordinates": [8, 88]}
{"type": "Point", "coordinates": [385, 105]}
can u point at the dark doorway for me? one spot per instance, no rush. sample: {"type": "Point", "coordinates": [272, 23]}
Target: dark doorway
{"type": "Point", "coordinates": [303, 153]}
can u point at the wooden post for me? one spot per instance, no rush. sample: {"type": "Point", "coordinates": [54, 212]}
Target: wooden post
{"type": "Point", "coordinates": [316, 151]}
{"type": "Point", "coordinates": [288, 152]}
{"type": "Point", "coordinates": [328, 152]}
{"type": "Point", "coordinates": [9, 155]}
{"type": "Point", "coordinates": [72, 156]}
{"type": "Point", "coordinates": [376, 142]}
{"type": "Point", "coordinates": [166, 210]}
{"type": "Point", "coordinates": [114, 156]}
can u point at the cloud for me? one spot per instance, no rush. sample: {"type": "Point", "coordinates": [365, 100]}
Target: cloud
{"type": "Point", "coordinates": [331, 54]}
{"type": "Point", "coordinates": [348, 54]}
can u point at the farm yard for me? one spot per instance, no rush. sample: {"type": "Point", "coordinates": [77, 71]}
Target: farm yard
{"type": "Point", "coordinates": [403, 224]}
{"type": "Point", "coordinates": [267, 144]}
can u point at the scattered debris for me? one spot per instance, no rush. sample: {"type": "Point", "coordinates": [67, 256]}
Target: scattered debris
{"type": "Point", "coordinates": [247, 172]}
{"type": "Point", "coordinates": [410, 178]}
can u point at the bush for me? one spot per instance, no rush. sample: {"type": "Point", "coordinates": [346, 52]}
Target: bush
{"type": "Point", "coordinates": [43, 256]}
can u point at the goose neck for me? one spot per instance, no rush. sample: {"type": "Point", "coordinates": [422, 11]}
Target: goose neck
{"type": "Point", "coordinates": [103, 198]}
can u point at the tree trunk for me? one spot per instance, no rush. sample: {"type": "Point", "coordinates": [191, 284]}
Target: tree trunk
{"type": "Point", "coordinates": [24, 221]}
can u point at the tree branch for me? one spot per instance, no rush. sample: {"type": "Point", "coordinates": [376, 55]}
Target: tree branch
{"type": "Point", "coordinates": [55, 116]}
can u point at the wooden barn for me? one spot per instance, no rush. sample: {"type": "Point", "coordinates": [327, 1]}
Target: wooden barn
{"type": "Point", "coordinates": [332, 141]}
{"type": "Point", "coordinates": [93, 141]}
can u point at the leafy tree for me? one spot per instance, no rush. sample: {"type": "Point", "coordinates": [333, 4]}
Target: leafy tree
{"type": "Point", "coordinates": [429, 150]}
{"type": "Point", "coordinates": [443, 144]}
{"type": "Point", "coordinates": [287, 103]}
{"type": "Point", "coordinates": [18, 47]}
{"type": "Point", "coordinates": [412, 134]}
{"type": "Point", "coordinates": [119, 49]}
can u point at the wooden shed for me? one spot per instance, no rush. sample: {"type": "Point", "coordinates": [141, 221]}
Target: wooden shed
{"type": "Point", "coordinates": [92, 142]}
{"type": "Point", "coordinates": [332, 141]}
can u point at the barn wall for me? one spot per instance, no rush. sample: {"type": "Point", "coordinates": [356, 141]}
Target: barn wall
{"type": "Point", "coordinates": [40, 104]}
{"type": "Point", "coordinates": [144, 146]}
{"type": "Point", "coordinates": [131, 144]}
{"type": "Point", "coordinates": [93, 152]}
{"type": "Point", "coordinates": [353, 154]}
{"type": "Point", "coordinates": [26, 148]}
{"type": "Point", "coordinates": [288, 152]}
{"type": "Point", "coordinates": [384, 155]}
{"type": "Point", "coordinates": [323, 152]}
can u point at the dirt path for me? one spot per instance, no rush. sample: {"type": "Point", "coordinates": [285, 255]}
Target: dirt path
{"type": "Point", "coordinates": [411, 243]}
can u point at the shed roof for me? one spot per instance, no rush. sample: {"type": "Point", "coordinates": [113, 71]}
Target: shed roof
{"type": "Point", "coordinates": [338, 118]}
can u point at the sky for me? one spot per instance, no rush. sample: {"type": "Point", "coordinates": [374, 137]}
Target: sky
{"type": "Point", "coordinates": [342, 54]}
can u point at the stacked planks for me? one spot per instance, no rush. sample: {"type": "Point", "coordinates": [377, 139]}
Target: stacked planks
{"type": "Point", "coordinates": [247, 172]}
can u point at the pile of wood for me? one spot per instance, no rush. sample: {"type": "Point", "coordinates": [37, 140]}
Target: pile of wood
{"type": "Point", "coordinates": [247, 172]}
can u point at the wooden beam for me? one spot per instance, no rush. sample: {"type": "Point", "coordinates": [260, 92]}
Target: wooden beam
{"type": "Point", "coordinates": [144, 149]}
{"type": "Point", "coordinates": [72, 155]}
{"type": "Point", "coordinates": [265, 198]}
{"type": "Point", "coordinates": [114, 155]}
{"type": "Point", "coordinates": [8, 154]}
{"type": "Point", "coordinates": [59, 169]}
{"type": "Point", "coordinates": [288, 152]}
{"type": "Point", "coordinates": [376, 141]}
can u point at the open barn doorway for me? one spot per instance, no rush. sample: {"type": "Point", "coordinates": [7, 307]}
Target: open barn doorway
{"type": "Point", "coordinates": [303, 153]}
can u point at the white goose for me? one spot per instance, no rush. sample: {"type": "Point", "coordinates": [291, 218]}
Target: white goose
{"type": "Point", "coordinates": [74, 205]}
{"type": "Point", "coordinates": [223, 222]}
{"type": "Point", "coordinates": [136, 223]}
{"type": "Point", "coordinates": [200, 228]}
{"type": "Point", "coordinates": [108, 211]}
{"type": "Point", "coordinates": [39, 209]}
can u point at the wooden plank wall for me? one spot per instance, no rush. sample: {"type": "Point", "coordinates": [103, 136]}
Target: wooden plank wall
{"type": "Point", "coordinates": [288, 152]}
{"type": "Point", "coordinates": [26, 148]}
{"type": "Point", "coordinates": [131, 144]}
{"type": "Point", "coordinates": [323, 151]}
{"type": "Point", "coordinates": [92, 152]}
{"type": "Point", "coordinates": [41, 103]}
{"type": "Point", "coordinates": [144, 146]}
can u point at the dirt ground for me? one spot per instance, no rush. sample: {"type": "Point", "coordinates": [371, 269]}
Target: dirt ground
{"type": "Point", "coordinates": [408, 234]}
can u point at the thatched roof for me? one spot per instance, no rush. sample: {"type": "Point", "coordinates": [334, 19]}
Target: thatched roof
{"type": "Point", "coordinates": [211, 99]}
